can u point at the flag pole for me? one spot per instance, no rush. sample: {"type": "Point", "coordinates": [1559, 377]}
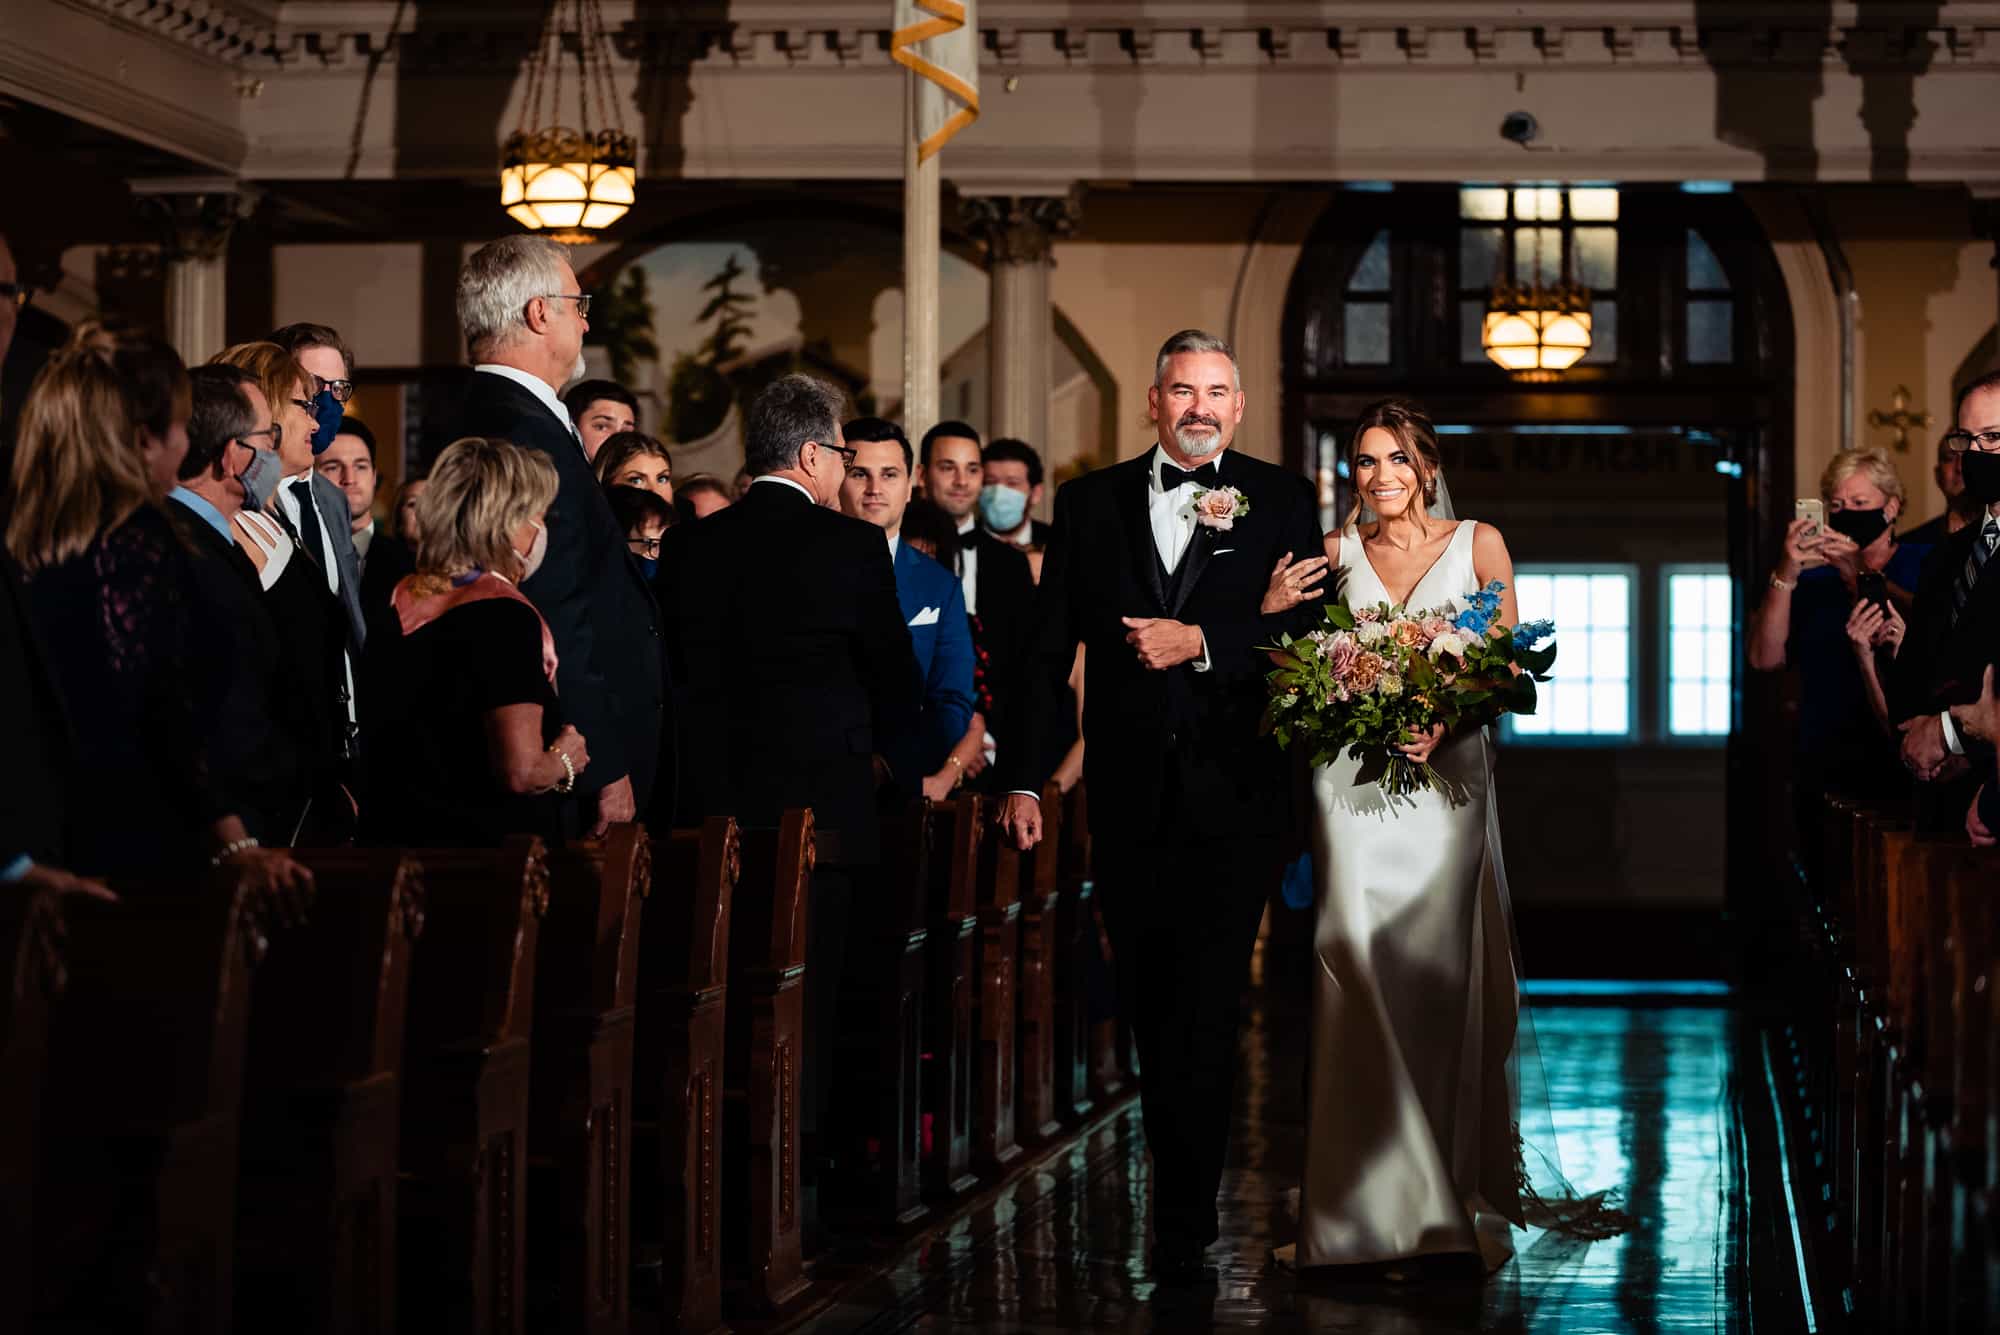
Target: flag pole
{"type": "Point", "coordinates": [920, 272]}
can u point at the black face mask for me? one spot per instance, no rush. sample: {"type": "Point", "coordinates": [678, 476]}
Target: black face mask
{"type": "Point", "coordinates": [1982, 476]}
{"type": "Point", "coordinates": [1859, 526]}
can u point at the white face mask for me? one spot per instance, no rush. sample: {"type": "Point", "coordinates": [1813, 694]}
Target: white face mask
{"type": "Point", "coordinates": [531, 560]}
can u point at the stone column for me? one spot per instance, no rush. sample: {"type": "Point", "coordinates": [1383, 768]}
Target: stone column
{"type": "Point", "coordinates": [194, 219]}
{"type": "Point", "coordinates": [1986, 221]}
{"type": "Point", "coordinates": [1020, 234]}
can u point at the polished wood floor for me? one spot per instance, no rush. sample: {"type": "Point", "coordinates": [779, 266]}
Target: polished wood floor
{"type": "Point", "coordinates": [1641, 1091]}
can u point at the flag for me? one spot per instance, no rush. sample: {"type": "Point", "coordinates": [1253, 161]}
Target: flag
{"type": "Point", "coordinates": [939, 39]}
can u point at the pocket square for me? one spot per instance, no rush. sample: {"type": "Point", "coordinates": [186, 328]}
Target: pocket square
{"type": "Point", "coordinates": [1222, 551]}
{"type": "Point", "coordinates": [927, 617]}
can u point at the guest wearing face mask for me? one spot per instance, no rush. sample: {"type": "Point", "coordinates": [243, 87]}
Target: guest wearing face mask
{"type": "Point", "coordinates": [466, 744]}
{"type": "Point", "coordinates": [1821, 617]}
{"type": "Point", "coordinates": [645, 519]}
{"type": "Point", "coordinates": [326, 359]}
{"type": "Point", "coordinates": [1011, 488]}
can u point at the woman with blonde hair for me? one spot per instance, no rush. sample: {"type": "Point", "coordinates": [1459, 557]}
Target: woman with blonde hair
{"type": "Point", "coordinates": [107, 584]}
{"type": "Point", "coordinates": [464, 745]}
{"type": "Point", "coordinates": [1833, 611]}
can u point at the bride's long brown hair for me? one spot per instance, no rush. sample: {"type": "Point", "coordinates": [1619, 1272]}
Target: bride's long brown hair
{"type": "Point", "coordinates": [1411, 426]}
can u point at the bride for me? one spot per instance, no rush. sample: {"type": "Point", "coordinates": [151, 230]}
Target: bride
{"type": "Point", "coordinates": [1412, 1140]}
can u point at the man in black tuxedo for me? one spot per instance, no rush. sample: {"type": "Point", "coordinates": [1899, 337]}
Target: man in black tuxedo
{"type": "Point", "coordinates": [255, 729]}
{"type": "Point", "coordinates": [1955, 626]}
{"type": "Point", "coordinates": [799, 682]}
{"type": "Point", "coordinates": [1191, 811]}
{"type": "Point", "coordinates": [993, 573]}
{"type": "Point", "coordinates": [524, 318]}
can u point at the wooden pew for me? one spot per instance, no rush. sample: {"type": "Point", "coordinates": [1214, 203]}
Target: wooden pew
{"type": "Point", "coordinates": [677, 1079]}
{"type": "Point", "coordinates": [135, 1189]}
{"type": "Point", "coordinates": [465, 1102]}
{"type": "Point", "coordinates": [882, 1027]}
{"type": "Point", "coordinates": [580, 1099]}
{"type": "Point", "coordinates": [1076, 945]}
{"type": "Point", "coordinates": [31, 958]}
{"type": "Point", "coordinates": [1868, 824]}
{"type": "Point", "coordinates": [316, 1217]}
{"type": "Point", "coordinates": [948, 997]}
{"type": "Point", "coordinates": [1973, 907]}
{"type": "Point", "coordinates": [765, 1066]}
{"type": "Point", "coordinates": [1001, 866]}
{"type": "Point", "coordinates": [1042, 961]}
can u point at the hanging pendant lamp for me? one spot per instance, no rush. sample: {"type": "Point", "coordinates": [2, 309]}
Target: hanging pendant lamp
{"type": "Point", "coordinates": [569, 182]}
{"type": "Point", "coordinates": [1533, 329]}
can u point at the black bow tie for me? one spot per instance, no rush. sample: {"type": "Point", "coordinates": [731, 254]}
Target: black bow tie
{"type": "Point", "coordinates": [1171, 477]}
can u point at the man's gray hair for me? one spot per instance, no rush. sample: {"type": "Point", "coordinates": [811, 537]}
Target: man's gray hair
{"type": "Point", "coordinates": [1195, 340]}
{"type": "Point", "coordinates": [791, 410]}
{"type": "Point", "coordinates": [497, 283]}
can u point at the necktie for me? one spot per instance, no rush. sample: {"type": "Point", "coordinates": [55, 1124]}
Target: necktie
{"type": "Point", "coordinates": [1171, 477]}
{"type": "Point", "coordinates": [1968, 578]}
{"type": "Point", "coordinates": [309, 529]}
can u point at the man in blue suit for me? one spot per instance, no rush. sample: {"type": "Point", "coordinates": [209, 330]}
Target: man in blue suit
{"type": "Point", "coordinates": [878, 490]}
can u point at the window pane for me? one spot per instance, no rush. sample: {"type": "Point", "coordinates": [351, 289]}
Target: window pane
{"type": "Point", "coordinates": [1711, 335]}
{"type": "Point", "coordinates": [1478, 256]}
{"type": "Point", "coordinates": [1486, 203]}
{"type": "Point", "coordinates": [1603, 333]}
{"type": "Point", "coordinates": [1594, 204]}
{"type": "Point", "coordinates": [1590, 691]}
{"type": "Point", "coordinates": [1526, 249]}
{"type": "Point", "coordinates": [1366, 334]}
{"type": "Point", "coordinates": [1538, 203]}
{"type": "Point", "coordinates": [1700, 653]}
{"type": "Point", "coordinates": [1704, 270]}
{"type": "Point", "coordinates": [1471, 321]}
{"type": "Point", "coordinates": [1372, 273]}
{"type": "Point", "coordinates": [1596, 256]}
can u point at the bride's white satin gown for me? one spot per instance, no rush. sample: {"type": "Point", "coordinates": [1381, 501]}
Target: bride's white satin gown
{"type": "Point", "coordinates": [1410, 1140]}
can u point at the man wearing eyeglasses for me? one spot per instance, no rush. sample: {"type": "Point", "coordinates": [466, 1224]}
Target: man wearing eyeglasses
{"type": "Point", "coordinates": [1954, 630]}
{"type": "Point", "coordinates": [325, 356]}
{"type": "Point", "coordinates": [524, 318]}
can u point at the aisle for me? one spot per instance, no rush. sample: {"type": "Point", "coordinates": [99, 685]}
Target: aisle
{"type": "Point", "coordinates": [1639, 1093]}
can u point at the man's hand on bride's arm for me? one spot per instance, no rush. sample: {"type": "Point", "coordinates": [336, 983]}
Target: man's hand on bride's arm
{"type": "Point", "coordinates": [1021, 818]}
{"type": "Point", "coordinates": [1419, 750]}
{"type": "Point", "coordinates": [1161, 643]}
{"type": "Point", "coordinates": [1292, 583]}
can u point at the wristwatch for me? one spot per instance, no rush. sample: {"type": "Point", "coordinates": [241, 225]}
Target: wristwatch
{"type": "Point", "coordinates": [1785, 584]}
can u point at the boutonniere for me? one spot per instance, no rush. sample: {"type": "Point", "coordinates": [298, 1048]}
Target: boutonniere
{"type": "Point", "coordinates": [1221, 508]}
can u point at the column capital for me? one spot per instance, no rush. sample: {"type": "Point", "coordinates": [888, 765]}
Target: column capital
{"type": "Point", "coordinates": [1020, 229]}
{"type": "Point", "coordinates": [194, 215]}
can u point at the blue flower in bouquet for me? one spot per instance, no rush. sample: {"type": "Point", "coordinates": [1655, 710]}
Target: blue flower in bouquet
{"type": "Point", "coordinates": [1481, 608]}
{"type": "Point", "coordinates": [1531, 633]}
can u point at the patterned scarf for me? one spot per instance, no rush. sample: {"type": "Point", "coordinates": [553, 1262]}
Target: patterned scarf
{"type": "Point", "coordinates": [418, 602]}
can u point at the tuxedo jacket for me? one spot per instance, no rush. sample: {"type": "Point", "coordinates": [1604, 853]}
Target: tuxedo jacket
{"type": "Point", "coordinates": [1006, 612]}
{"type": "Point", "coordinates": [794, 664]}
{"type": "Point", "coordinates": [389, 559]}
{"type": "Point", "coordinates": [1178, 747]}
{"type": "Point", "coordinates": [1941, 659]}
{"type": "Point", "coordinates": [592, 594]}
{"type": "Point", "coordinates": [933, 606]}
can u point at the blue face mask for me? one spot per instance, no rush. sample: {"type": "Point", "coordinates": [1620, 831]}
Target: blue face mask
{"type": "Point", "coordinates": [327, 413]}
{"type": "Point", "coordinates": [260, 480]}
{"type": "Point", "coordinates": [1002, 508]}
{"type": "Point", "coordinates": [651, 565]}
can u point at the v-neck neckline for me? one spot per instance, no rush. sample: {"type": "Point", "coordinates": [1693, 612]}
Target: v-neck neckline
{"type": "Point", "coordinates": [1437, 560]}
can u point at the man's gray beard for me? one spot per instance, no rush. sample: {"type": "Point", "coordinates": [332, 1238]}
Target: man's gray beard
{"type": "Point", "coordinates": [1196, 446]}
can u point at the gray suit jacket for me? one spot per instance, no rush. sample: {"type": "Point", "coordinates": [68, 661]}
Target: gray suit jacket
{"type": "Point", "coordinates": [339, 527]}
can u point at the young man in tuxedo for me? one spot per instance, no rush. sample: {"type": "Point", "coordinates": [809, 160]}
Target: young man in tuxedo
{"type": "Point", "coordinates": [1955, 625]}
{"type": "Point", "coordinates": [1191, 811]}
{"type": "Point", "coordinates": [993, 574]}
{"type": "Point", "coordinates": [798, 678]}
{"type": "Point", "coordinates": [384, 558]}
{"type": "Point", "coordinates": [524, 318]}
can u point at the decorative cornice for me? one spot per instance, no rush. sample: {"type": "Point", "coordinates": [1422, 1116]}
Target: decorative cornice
{"type": "Point", "coordinates": [228, 32]}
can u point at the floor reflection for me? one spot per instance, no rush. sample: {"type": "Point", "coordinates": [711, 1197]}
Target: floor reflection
{"type": "Point", "coordinates": [1638, 1095]}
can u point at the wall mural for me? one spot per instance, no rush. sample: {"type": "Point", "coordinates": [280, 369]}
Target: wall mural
{"type": "Point", "coordinates": [695, 327]}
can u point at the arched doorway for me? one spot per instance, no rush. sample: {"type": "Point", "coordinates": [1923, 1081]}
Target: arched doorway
{"type": "Point", "coordinates": [1638, 494]}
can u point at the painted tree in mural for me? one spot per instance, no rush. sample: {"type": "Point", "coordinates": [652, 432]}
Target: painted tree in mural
{"type": "Point", "coordinates": [698, 394]}
{"type": "Point", "coordinates": [621, 322]}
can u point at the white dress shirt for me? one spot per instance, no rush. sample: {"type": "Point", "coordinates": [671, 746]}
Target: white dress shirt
{"type": "Point", "coordinates": [968, 564]}
{"type": "Point", "coordinates": [289, 502]}
{"type": "Point", "coordinates": [538, 387]}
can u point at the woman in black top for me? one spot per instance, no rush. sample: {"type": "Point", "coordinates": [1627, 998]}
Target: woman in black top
{"type": "Point", "coordinates": [106, 583]}
{"type": "Point", "coordinates": [462, 742]}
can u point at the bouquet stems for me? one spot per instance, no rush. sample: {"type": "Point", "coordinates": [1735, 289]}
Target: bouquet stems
{"type": "Point", "coordinates": [1405, 778]}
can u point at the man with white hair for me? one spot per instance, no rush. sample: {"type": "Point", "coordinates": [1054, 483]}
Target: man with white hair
{"type": "Point", "coordinates": [524, 318]}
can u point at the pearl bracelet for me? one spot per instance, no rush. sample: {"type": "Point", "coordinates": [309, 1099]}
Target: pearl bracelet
{"type": "Point", "coordinates": [568, 781]}
{"type": "Point", "coordinates": [233, 847]}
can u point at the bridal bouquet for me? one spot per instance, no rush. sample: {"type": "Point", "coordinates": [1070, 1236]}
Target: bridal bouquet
{"type": "Point", "coordinates": [1371, 677]}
